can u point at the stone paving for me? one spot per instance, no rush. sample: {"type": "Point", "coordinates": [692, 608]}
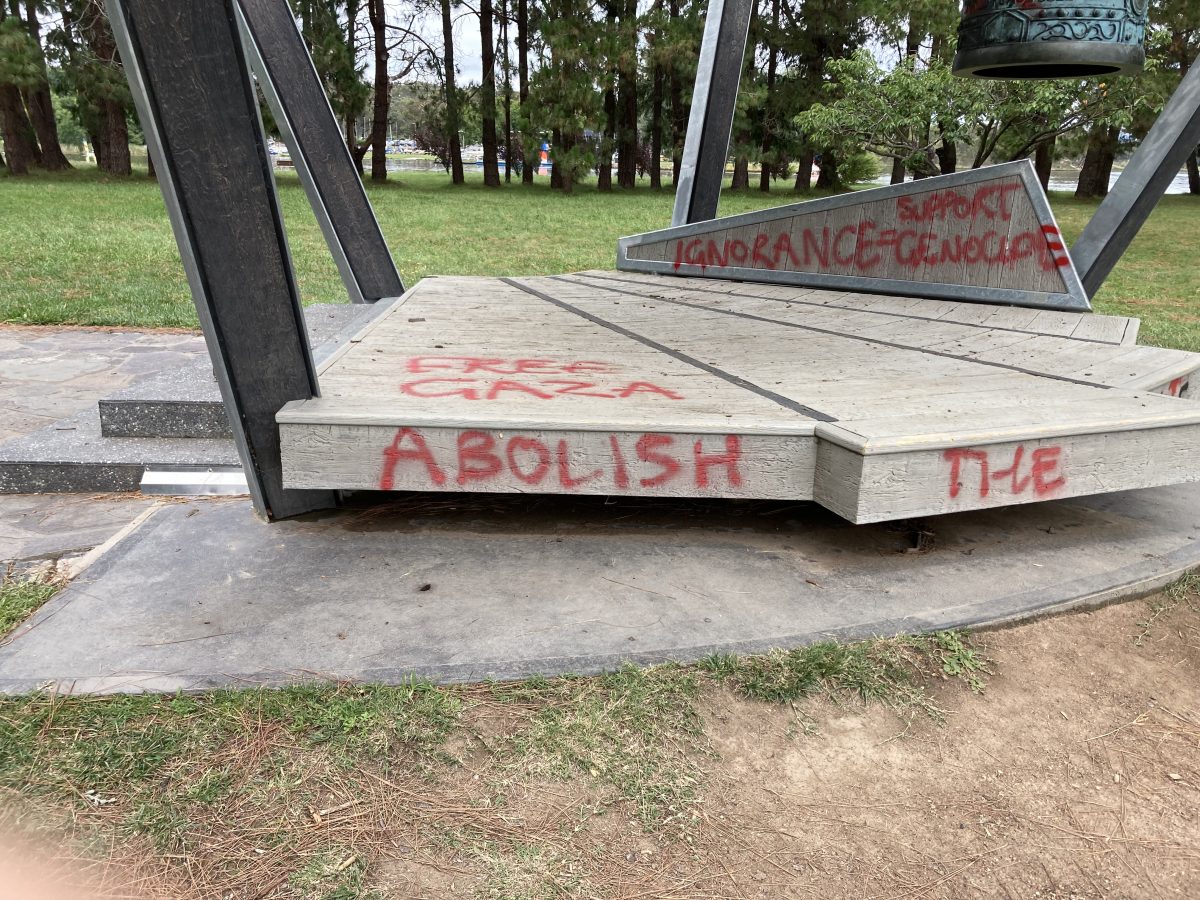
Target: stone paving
{"type": "Point", "coordinates": [50, 374]}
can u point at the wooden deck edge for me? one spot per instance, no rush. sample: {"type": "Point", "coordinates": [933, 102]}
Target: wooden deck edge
{"type": "Point", "coordinates": [473, 459]}
{"type": "Point", "coordinates": [313, 412]}
{"type": "Point", "coordinates": [843, 435]}
{"type": "Point", "coordinates": [936, 482]}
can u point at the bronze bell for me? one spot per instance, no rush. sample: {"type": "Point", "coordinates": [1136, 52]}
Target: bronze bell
{"type": "Point", "coordinates": [1051, 38]}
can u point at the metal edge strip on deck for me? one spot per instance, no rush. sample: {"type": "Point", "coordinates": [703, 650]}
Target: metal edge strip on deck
{"type": "Point", "coordinates": [850, 337]}
{"type": "Point", "coordinates": [737, 381]}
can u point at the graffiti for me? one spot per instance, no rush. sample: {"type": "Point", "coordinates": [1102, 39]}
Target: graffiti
{"type": "Point", "coordinates": [865, 247]}
{"type": "Point", "coordinates": [474, 378]}
{"type": "Point", "coordinates": [917, 242]}
{"type": "Point", "coordinates": [1040, 473]}
{"type": "Point", "coordinates": [619, 462]}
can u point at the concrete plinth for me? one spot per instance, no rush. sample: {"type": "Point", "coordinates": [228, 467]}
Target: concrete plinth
{"type": "Point", "coordinates": [462, 588]}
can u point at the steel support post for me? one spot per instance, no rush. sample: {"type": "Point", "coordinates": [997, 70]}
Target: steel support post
{"type": "Point", "coordinates": [1124, 211]}
{"type": "Point", "coordinates": [198, 108]}
{"type": "Point", "coordinates": [706, 148]}
{"type": "Point", "coordinates": [293, 90]}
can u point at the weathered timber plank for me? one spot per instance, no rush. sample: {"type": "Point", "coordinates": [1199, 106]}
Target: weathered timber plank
{"type": "Point", "coordinates": [936, 481]}
{"type": "Point", "coordinates": [639, 463]}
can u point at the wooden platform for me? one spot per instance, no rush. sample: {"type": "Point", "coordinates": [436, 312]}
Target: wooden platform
{"type": "Point", "coordinates": [623, 383]}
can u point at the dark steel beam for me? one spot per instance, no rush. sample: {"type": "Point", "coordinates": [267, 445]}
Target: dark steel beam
{"type": "Point", "coordinates": [714, 99]}
{"type": "Point", "coordinates": [298, 102]}
{"type": "Point", "coordinates": [199, 111]}
{"type": "Point", "coordinates": [1153, 167]}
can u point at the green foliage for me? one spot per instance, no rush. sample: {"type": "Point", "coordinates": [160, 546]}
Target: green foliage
{"type": "Point", "coordinates": [904, 113]}
{"type": "Point", "coordinates": [333, 56]}
{"type": "Point", "coordinates": [20, 58]}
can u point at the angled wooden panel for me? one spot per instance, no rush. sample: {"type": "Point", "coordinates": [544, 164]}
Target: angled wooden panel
{"type": "Point", "coordinates": [987, 235]}
{"type": "Point", "coordinates": [198, 109]}
{"type": "Point", "coordinates": [301, 109]}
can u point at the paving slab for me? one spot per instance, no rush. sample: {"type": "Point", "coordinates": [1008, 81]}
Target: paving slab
{"type": "Point", "coordinates": [462, 588]}
{"type": "Point", "coordinates": [48, 374]}
{"type": "Point", "coordinates": [48, 526]}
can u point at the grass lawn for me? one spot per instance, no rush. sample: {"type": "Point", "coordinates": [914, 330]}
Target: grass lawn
{"type": "Point", "coordinates": [79, 249]}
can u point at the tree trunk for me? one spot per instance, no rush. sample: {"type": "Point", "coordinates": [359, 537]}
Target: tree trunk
{"type": "Point", "coordinates": [1097, 162]}
{"type": "Point", "coordinates": [1043, 160]}
{"type": "Point", "coordinates": [39, 104]}
{"type": "Point", "coordinates": [487, 95]}
{"type": "Point", "coordinates": [506, 69]}
{"type": "Point", "coordinates": [607, 141]}
{"type": "Point", "coordinates": [20, 143]}
{"type": "Point", "coordinates": [627, 93]}
{"type": "Point", "coordinates": [768, 121]}
{"type": "Point", "coordinates": [609, 136]}
{"type": "Point", "coordinates": [947, 155]}
{"type": "Point", "coordinates": [452, 137]}
{"type": "Point", "coordinates": [377, 13]}
{"type": "Point", "coordinates": [829, 178]}
{"type": "Point", "coordinates": [678, 112]}
{"type": "Point", "coordinates": [898, 171]}
{"type": "Point", "coordinates": [112, 148]}
{"type": "Point", "coordinates": [351, 136]}
{"type": "Point", "coordinates": [556, 171]}
{"type": "Point", "coordinates": [530, 165]}
{"type": "Point", "coordinates": [741, 174]}
{"type": "Point", "coordinates": [567, 176]}
{"type": "Point", "coordinates": [657, 80]}
{"type": "Point", "coordinates": [111, 141]}
{"type": "Point", "coordinates": [804, 172]}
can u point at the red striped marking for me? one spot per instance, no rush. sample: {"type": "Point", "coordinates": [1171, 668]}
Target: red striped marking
{"type": "Point", "coordinates": [1057, 249]}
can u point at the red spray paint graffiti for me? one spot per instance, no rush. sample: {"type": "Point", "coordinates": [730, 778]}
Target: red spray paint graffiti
{"type": "Point", "coordinates": [865, 246]}
{"type": "Point", "coordinates": [1040, 474]}
{"type": "Point", "coordinates": [482, 378]}
{"type": "Point", "coordinates": [643, 461]}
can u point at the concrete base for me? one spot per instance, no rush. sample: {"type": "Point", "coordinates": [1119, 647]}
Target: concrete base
{"type": "Point", "coordinates": [462, 588]}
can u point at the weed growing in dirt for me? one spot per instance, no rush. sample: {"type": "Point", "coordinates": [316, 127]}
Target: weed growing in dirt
{"type": "Point", "coordinates": [1185, 591]}
{"type": "Point", "coordinates": [19, 599]}
{"type": "Point", "coordinates": [892, 671]}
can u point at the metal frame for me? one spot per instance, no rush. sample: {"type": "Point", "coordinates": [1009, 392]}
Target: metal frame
{"type": "Point", "coordinates": [258, 343]}
{"type": "Point", "coordinates": [1074, 299]}
{"type": "Point", "coordinates": [271, 37]}
{"type": "Point", "coordinates": [1175, 136]}
{"type": "Point", "coordinates": [714, 100]}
